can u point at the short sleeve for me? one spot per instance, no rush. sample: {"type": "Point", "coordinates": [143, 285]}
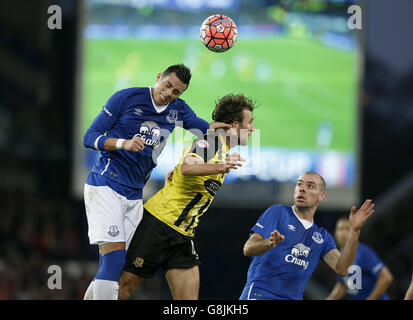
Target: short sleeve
{"type": "Point", "coordinates": [266, 223]}
{"type": "Point", "coordinates": [329, 244]}
{"type": "Point", "coordinates": [371, 261]}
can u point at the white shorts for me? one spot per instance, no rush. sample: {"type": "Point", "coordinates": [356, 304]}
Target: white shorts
{"type": "Point", "coordinates": [111, 217]}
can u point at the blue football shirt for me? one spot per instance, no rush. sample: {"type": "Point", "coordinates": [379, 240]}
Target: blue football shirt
{"type": "Point", "coordinates": [283, 272]}
{"type": "Point", "coordinates": [368, 265]}
{"type": "Point", "coordinates": [129, 113]}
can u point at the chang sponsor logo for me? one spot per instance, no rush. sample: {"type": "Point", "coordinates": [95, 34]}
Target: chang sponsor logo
{"type": "Point", "coordinates": [297, 255]}
{"type": "Point", "coordinates": [150, 133]}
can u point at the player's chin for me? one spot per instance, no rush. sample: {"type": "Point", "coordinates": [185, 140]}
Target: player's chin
{"type": "Point", "coordinates": [162, 100]}
{"type": "Point", "coordinates": [301, 204]}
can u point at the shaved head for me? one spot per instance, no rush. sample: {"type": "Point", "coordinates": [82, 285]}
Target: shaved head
{"type": "Point", "coordinates": [322, 183]}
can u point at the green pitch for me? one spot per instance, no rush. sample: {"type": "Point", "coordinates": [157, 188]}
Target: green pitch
{"type": "Point", "coordinates": [298, 84]}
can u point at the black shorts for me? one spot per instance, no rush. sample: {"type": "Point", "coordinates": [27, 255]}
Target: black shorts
{"type": "Point", "coordinates": [155, 245]}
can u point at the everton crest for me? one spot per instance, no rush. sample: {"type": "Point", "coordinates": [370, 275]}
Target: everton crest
{"type": "Point", "coordinates": [317, 237]}
{"type": "Point", "coordinates": [172, 116]}
{"type": "Point", "coordinates": [113, 231]}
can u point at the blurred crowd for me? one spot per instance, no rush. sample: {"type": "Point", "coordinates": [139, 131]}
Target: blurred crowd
{"type": "Point", "coordinates": [39, 231]}
{"type": "Point", "coordinates": [392, 237]}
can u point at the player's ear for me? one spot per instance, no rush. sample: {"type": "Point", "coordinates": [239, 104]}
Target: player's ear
{"type": "Point", "coordinates": [322, 196]}
{"type": "Point", "coordinates": [232, 131]}
{"type": "Point", "coordinates": [159, 76]}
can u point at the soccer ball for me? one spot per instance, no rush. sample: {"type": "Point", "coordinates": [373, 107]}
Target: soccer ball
{"type": "Point", "coordinates": [218, 33]}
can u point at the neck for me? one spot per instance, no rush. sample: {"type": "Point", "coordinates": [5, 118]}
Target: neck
{"type": "Point", "coordinates": [305, 213]}
{"type": "Point", "coordinates": [231, 141]}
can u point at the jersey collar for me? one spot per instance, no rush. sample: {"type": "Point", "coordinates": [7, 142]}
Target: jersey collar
{"type": "Point", "coordinates": [306, 224]}
{"type": "Point", "coordinates": [157, 108]}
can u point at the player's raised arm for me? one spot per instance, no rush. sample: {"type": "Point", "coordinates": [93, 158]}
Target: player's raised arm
{"type": "Point", "coordinates": [340, 262]}
{"type": "Point", "coordinates": [257, 245]}
{"type": "Point", "coordinates": [95, 137]}
{"type": "Point", "coordinates": [194, 166]}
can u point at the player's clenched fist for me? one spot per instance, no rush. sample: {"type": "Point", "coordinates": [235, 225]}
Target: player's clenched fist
{"type": "Point", "coordinates": [275, 238]}
{"type": "Point", "coordinates": [135, 144]}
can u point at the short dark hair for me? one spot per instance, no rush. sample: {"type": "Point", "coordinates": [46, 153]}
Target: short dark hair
{"type": "Point", "coordinates": [230, 108]}
{"type": "Point", "coordinates": [182, 72]}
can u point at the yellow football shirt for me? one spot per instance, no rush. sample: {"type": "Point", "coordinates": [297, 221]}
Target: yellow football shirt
{"type": "Point", "coordinates": [184, 199]}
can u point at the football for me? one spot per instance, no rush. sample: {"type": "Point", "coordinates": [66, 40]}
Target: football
{"type": "Point", "coordinates": [218, 33]}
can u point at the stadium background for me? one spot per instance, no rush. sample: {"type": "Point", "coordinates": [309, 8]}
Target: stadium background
{"type": "Point", "coordinates": [42, 220]}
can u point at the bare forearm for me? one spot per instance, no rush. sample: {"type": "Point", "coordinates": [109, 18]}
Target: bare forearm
{"type": "Point", "coordinates": [202, 169]}
{"type": "Point", "coordinates": [256, 247]}
{"type": "Point", "coordinates": [349, 253]}
{"type": "Point", "coordinates": [384, 280]}
{"type": "Point", "coordinates": [135, 144]}
{"type": "Point", "coordinates": [110, 144]}
{"type": "Point", "coordinates": [380, 287]}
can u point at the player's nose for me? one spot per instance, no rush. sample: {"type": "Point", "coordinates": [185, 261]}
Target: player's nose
{"type": "Point", "coordinates": [169, 93]}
